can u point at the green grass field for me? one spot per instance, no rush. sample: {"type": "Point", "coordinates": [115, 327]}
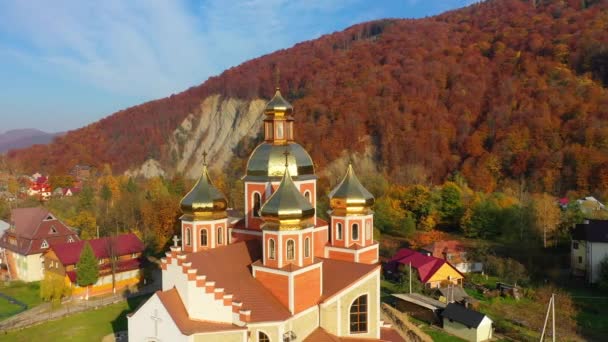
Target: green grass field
{"type": "Point", "coordinates": [27, 293]}
{"type": "Point", "coordinates": [86, 326]}
{"type": "Point", "coordinates": [592, 305]}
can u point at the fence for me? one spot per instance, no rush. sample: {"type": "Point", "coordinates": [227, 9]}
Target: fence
{"type": "Point", "coordinates": [44, 312]}
{"type": "Point", "coordinates": [401, 322]}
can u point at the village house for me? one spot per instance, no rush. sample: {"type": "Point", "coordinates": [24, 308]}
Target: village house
{"type": "Point", "coordinates": [40, 187]}
{"type": "Point", "coordinates": [589, 247]}
{"type": "Point", "coordinates": [466, 323]}
{"type": "Point", "coordinates": [278, 274]}
{"type": "Point", "coordinates": [433, 272]}
{"type": "Point", "coordinates": [455, 252]}
{"type": "Point", "coordinates": [32, 231]}
{"type": "Point", "coordinates": [81, 172]}
{"type": "Point", "coordinates": [125, 249]}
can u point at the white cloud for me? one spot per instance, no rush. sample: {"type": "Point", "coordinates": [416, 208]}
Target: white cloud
{"type": "Point", "coordinates": [149, 48]}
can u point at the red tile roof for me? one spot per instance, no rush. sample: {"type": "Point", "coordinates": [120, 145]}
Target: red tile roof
{"type": "Point", "coordinates": [176, 309]}
{"type": "Point", "coordinates": [450, 247]}
{"type": "Point", "coordinates": [32, 228]}
{"type": "Point", "coordinates": [69, 253]}
{"type": "Point", "coordinates": [338, 275]}
{"type": "Point", "coordinates": [425, 265]}
{"type": "Point", "coordinates": [229, 267]}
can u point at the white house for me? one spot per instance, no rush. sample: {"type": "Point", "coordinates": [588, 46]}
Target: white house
{"type": "Point", "coordinates": [589, 247]}
{"type": "Point", "coordinates": [466, 323]}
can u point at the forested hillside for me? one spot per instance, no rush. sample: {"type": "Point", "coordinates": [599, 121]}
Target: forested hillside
{"type": "Point", "coordinates": [498, 92]}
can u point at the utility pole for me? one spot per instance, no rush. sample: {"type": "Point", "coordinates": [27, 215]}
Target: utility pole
{"type": "Point", "coordinates": [410, 277]}
{"type": "Point", "coordinates": [553, 313]}
{"type": "Point", "coordinates": [550, 307]}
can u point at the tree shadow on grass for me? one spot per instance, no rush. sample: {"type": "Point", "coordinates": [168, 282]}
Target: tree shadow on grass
{"type": "Point", "coordinates": [120, 323]}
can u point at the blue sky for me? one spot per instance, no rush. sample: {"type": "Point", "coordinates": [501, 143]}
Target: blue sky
{"type": "Point", "coordinates": [65, 64]}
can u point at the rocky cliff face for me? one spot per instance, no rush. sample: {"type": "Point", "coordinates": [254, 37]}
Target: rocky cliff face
{"type": "Point", "coordinates": [216, 127]}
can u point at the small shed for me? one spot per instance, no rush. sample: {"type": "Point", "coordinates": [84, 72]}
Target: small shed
{"type": "Point", "coordinates": [419, 306]}
{"type": "Point", "coordinates": [466, 323]}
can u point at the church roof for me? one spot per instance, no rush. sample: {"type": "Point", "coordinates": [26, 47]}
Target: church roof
{"type": "Point", "coordinates": [204, 198]}
{"type": "Point", "coordinates": [278, 104]}
{"type": "Point", "coordinates": [176, 309]}
{"type": "Point", "coordinates": [350, 193]}
{"type": "Point", "coordinates": [230, 268]}
{"type": "Point", "coordinates": [287, 202]}
{"type": "Point", "coordinates": [268, 162]}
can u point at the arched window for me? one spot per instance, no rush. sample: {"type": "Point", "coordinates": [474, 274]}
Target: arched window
{"type": "Point", "coordinates": [271, 249]}
{"type": "Point", "coordinates": [219, 236]}
{"type": "Point", "coordinates": [257, 203]}
{"type": "Point", "coordinates": [368, 230]}
{"type": "Point", "coordinates": [358, 315]}
{"type": "Point", "coordinates": [263, 337]}
{"type": "Point", "coordinates": [291, 246]}
{"type": "Point", "coordinates": [203, 237]}
{"type": "Point", "coordinates": [338, 231]}
{"type": "Point", "coordinates": [355, 231]}
{"type": "Point", "coordinates": [307, 195]}
{"type": "Point", "coordinates": [188, 237]}
{"type": "Point", "coordinates": [307, 247]}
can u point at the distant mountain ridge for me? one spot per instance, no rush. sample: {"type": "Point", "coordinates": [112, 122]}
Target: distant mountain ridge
{"type": "Point", "coordinates": [501, 92]}
{"type": "Point", "coordinates": [23, 138]}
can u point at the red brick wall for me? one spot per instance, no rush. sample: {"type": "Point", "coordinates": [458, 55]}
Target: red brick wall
{"type": "Point", "coordinates": [350, 232]}
{"type": "Point", "coordinates": [320, 238]}
{"type": "Point", "coordinates": [187, 248]}
{"type": "Point", "coordinates": [271, 262]}
{"type": "Point", "coordinates": [310, 187]}
{"type": "Point", "coordinates": [334, 240]}
{"type": "Point", "coordinates": [369, 257]}
{"type": "Point", "coordinates": [277, 284]}
{"type": "Point", "coordinates": [341, 256]}
{"type": "Point", "coordinates": [251, 188]}
{"type": "Point", "coordinates": [297, 251]}
{"type": "Point", "coordinates": [307, 289]}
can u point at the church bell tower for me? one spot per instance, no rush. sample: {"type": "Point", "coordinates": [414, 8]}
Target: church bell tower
{"type": "Point", "coordinates": [204, 221]}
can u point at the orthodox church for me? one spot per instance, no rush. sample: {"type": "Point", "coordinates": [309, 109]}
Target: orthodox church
{"type": "Point", "coordinates": [279, 273]}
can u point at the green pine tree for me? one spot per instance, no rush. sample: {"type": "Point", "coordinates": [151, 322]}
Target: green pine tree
{"type": "Point", "coordinates": [87, 269]}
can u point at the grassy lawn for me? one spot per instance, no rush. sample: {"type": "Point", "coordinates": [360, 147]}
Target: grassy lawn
{"type": "Point", "coordinates": [27, 293]}
{"type": "Point", "coordinates": [8, 309]}
{"type": "Point", "coordinates": [592, 305]}
{"type": "Point", "coordinates": [436, 333]}
{"type": "Point", "coordinates": [85, 326]}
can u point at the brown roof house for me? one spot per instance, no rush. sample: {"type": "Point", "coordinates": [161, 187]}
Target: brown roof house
{"type": "Point", "coordinates": [455, 252]}
{"type": "Point", "coordinates": [32, 231]}
{"type": "Point", "coordinates": [280, 274]}
{"type": "Point", "coordinates": [125, 249]}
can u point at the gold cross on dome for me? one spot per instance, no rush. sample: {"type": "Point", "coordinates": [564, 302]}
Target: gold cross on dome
{"type": "Point", "coordinates": [205, 157]}
{"type": "Point", "coordinates": [286, 154]}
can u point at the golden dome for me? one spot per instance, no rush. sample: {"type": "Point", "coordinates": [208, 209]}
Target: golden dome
{"type": "Point", "coordinates": [204, 200]}
{"type": "Point", "coordinates": [278, 104]}
{"type": "Point", "coordinates": [268, 162]}
{"type": "Point", "coordinates": [287, 208]}
{"type": "Point", "coordinates": [350, 195]}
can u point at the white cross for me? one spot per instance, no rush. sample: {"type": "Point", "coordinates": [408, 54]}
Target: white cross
{"type": "Point", "coordinates": [175, 240]}
{"type": "Point", "coordinates": [156, 320]}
